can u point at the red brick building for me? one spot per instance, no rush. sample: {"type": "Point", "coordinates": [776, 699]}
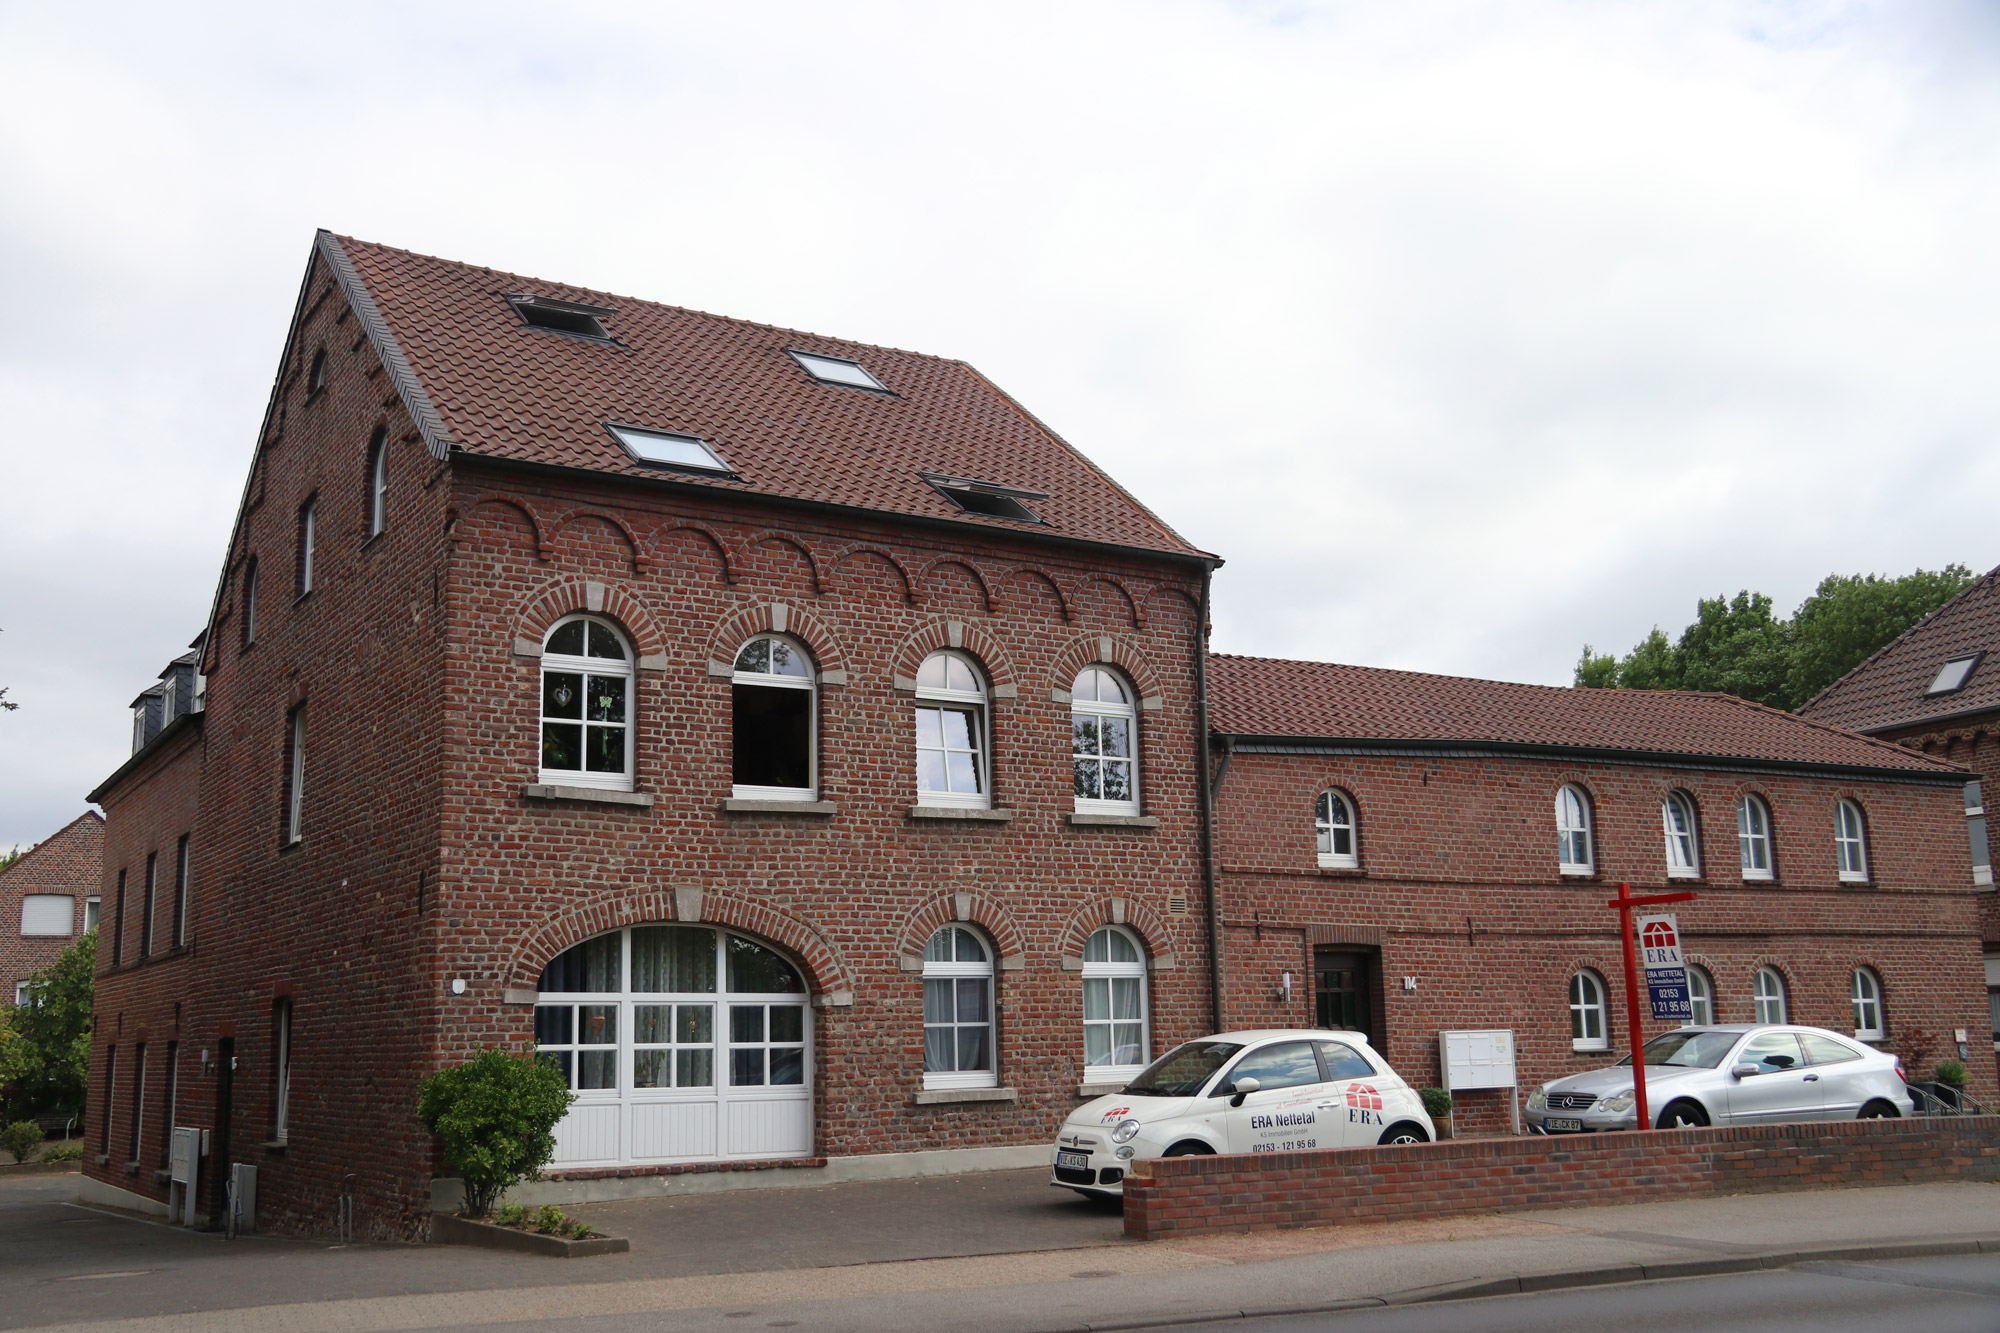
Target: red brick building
{"type": "Point", "coordinates": [1937, 689]}
{"type": "Point", "coordinates": [803, 747]}
{"type": "Point", "coordinates": [1426, 853]}
{"type": "Point", "coordinates": [48, 896]}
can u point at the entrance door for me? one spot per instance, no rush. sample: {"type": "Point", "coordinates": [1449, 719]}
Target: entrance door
{"type": "Point", "coordinates": [1344, 991]}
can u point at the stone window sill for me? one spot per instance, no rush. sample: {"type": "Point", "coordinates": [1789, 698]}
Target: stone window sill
{"type": "Point", "coordinates": [275, 1145]}
{"type": "Point", "coordinates": [1079, 819]}
{"type": "Point", "coordinates": [735, 806]}
{"type": "Point", "coordinates": [1099, 1089]}
{"type": "Point", "coordinates": [961, 812]}
{"type": "Point", "coordinates": [131, 1168]}
{"type": "Point", "coordinates": [946, 1096]}
{"type": "Point", "coordinates": [163, 1177]}
{"type": "Point", "coordinates": [103, 1159]}
{"type": "Point", "coordinates": [545, 791]}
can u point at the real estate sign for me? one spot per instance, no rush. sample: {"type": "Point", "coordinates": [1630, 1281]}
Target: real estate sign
{"type": "Point", "coordinates": [1666, 971]}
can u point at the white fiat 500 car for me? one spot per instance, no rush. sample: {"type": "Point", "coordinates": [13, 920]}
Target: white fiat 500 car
{"type": "Point", "coordinates": [1734, 1074]}
{"type": "Point", "coordinates": [1270, 1091]}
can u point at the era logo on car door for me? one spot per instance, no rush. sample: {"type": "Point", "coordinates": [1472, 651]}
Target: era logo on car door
{"type": "Point", "coordinates": [1364, 1105]}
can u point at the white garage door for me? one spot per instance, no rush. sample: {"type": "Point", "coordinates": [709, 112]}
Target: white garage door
{"type": "Point", "coordinates": [48, 914]}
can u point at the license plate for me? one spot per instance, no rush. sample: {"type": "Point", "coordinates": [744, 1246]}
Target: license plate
{"type": "Point", "coordinates": [1073, 1161]}
{"type": "Point", "coordinates": [1556, 1124]}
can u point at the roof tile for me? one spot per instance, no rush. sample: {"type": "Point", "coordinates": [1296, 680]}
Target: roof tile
{"type": "Point", "coordinates": [1887, 690]}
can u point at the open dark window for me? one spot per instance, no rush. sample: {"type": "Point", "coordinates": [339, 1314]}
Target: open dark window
{"type": "Point", "coordinates": [988, 497]}
{"type": "Point", "coordinates": [571, 317]}
{"type": "Point", "coordinates": [772, 699]}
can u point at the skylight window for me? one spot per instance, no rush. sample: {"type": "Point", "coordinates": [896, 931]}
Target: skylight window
{"type": "Point", "coordinates": [545, 312]}
{"type": "Point", "coordinates": [1951, 677]}
{"type": "Point", "coordinates": [989, 498]}
{"type": "Point", "coordinates": [833, 370]}
{"type": "Point", "coordinates": [664, 450]}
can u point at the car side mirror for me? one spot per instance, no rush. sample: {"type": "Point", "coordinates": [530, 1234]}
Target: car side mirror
{"type": "Point", "coordinates": [1747, 1070]}
{"type": "Point", "coordinates": [1243, 1087]}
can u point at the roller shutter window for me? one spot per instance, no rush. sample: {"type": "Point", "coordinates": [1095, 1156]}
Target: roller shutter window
{"type": "Point", "coordinates": [48, 914]}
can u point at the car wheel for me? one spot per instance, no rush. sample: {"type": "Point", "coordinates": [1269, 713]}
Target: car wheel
{"type": "Point", "coordinates": [1683, 1115]}
{"type": "Point", "coordinates": [1879, 1110]}
{"type": "Point", "coordinates": [1190, 1148]}
{"type": "Point", "coordinates": [1403, 1131]}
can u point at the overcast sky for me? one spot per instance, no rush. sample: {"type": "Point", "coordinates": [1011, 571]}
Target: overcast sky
{"type": "Point", "coordinates": [1466, 333]}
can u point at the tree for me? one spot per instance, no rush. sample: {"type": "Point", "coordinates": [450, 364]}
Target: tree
{"type": "Point", "coordinates": [45, 1056]}
{"type": "Point", "coordinates": [1850, 617]}
{"type": "Point", "coordinates": [495, 1118]}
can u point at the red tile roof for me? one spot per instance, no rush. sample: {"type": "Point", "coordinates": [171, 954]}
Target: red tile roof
{"type": "Point", "coordinates": [1262, 696]}
{"type": "Point", "coordinates": [502, 390]}
{"type": "Point", "coordinates": [1888, 689]}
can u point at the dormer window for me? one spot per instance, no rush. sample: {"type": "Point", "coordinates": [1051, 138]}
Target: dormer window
{"type": "Point", "coordinates": [834, 370]}
{"type": "Point", "coordinates": [1951, 677]}
{"type": "Point", "coordinates": [988, 497]}
{"type": "Point", "coordinates": [571, 317]}
{"type": "Point", "coordinates": [662, 449]}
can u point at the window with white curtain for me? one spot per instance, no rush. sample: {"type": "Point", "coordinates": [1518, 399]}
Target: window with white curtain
{"type": "Point", "coordinates": [1574, 855]}
{"type": "Point", "coordinates": [586, 706]}
{"type": "Point", "coordinates": [378, 484]}
{"type": "Point", "coordinates": [1868, 1019]}
{"type": "Point", "coordinates": [958, 1010]}
{"type": "Point", "coordinates": [1769, 992]}
{"type": "Point", "coordinates": [1753, 837]}
{"type": "Point", "coordinates": [1701, 996]}
{"type": "Point", "coordinates": [1114, 1006]}
{"type": "Point", "coordinates": [951, 733]}
{"type": "Point", "coordinates": [1587, 1028]}
{"type": "Point", "coordinates": [1850, 841]}
{"type": "Point", "coordinates": [1683, 849]}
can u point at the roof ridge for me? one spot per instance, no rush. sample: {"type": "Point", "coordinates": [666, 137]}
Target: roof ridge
{"type": "Point", "coordinates": [1989, 577]}
{"type": "Point", "coordinates": [29, 855]}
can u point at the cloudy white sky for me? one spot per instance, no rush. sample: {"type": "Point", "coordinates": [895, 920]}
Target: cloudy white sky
{"type": "Point", "coordinates": [1466, 332]}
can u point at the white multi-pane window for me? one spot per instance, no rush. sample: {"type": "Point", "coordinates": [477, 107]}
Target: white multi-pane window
{"type": "Point", "coordinates": [1683, 850]}
{"type": "Point", "coordinates": [378, 484]}
{"type": "Point", "coordinates": [1701, 996]}
{"type": "Point", "coordinates": [951, 733]}
{"type": "Point", "coordinates": [1587, 1027]}
{"type": "Point", "coordinates": [1333, 823]}
{"type": "Point", "coordinates": [586, 729]}
{"type": "Point", "coordinates": [1868, 1021]}
{"type": "Point", "coordinates": [1753, 837]}
{"type": "Point", "coordinates": [1850, 841]}
{"type": "Point", "coordinates": [1768, 990]}
{"type": "Point", "coordinates": [295, 781]}
{"type": "Point", "coordinates": [1574, 855]}
{"type": "Point", "coordinates": [773, 716]}
{"type": "Point", "coordinates": [1104, 750]}
{"type": "Point", "coordinates": [1114, 1006]}
{"type": "Point", "coordinates": [958, 1010]}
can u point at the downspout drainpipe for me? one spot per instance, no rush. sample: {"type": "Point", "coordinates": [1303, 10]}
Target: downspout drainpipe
{"type": "Point", "coordinates": [1207, 804]}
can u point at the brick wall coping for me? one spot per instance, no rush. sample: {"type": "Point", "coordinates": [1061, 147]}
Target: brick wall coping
{"type": "Point", "coordinates": [681, 1169]}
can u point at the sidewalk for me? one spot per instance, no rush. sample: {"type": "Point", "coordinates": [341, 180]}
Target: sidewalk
{"type": "Point", "coordinates": [1091, 1282]}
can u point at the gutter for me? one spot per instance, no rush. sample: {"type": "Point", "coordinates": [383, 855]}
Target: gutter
{"type": "Point", "coordinates": [1206, 796]}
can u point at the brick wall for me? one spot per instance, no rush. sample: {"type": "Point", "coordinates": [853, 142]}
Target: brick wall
{"type": "Point", "coordinates": [1972, 743]}
{"type": "Point", "coordinates": [67, 863]}
{"type": "Point", "coordinates": [1186, 1196]}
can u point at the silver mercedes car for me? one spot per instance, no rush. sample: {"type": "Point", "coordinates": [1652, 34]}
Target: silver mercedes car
{"type": "Point", "coordinates": [1738, 1074]}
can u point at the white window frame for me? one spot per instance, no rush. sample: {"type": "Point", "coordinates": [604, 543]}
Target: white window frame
{"type": "Point", "coordinates": [48, 905]}
{"type": "Point", "coordinates": [770, 680]}
{"type": "Point", "coordinates": [1325, 826]}
{"type": "Point", "coordinates": [1850, 842]}
{"type": "Point", "coordinates": [93, 906]}
{"type": "Point", "coordinates": [1767, 994]}
{"type": "Point", "coordinates": [308, 526]}
{"type": "Point", "coordinates": [24, 992]}
{"type": "Point", "coordinates": [974, 701]}
{"type": "Point", "coordinates": [281, 1054]}
{"type": "Point", "coordinates": [1867, 1004]}
{"type": "Point", "coordinates": [1109, 972]}
{"type": "Point", "coordinates": [250, 571]}
{"type": "Point", "coordinates": [956, 971]}
{"type": "Point", "coordinates": [295, 785]}
{"type": "Point", "coordinates": [182, 890]}
{"type": "Point", "coordinates": [1701, 996]}
{"type": "Point", "coordinates": [1586, 999]}
{"type": "Point", "coordinates": [1683, 844]}
{"type": "Point", "coordinates": [1129, 713]}
{"type": "Point", "coordinates": [1573, 829]}
{"type": "Point", "coordinates": [378, 486]}
{"type": "Point", "coordinates": [586, 666]}
{"type": "Point", "coordinates": [1753, 838]}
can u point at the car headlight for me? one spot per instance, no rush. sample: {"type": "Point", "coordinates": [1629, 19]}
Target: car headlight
{"type": "Point", "coordinates": [1618, 1105]}
{"type": "Point", "coordinates": [1538, 1100]}
{"type": "Point", "coordinates": [1125, 1131]}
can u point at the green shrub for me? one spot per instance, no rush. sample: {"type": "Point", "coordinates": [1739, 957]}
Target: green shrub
{"type": "Point", "coordinates": [1437, 1102]}
{"type": "Point", "coordinates": [511, 1214]}
{"type": "Point", "coordinates": [495, 1118]}
{"type": "Point", "coordinates": [549, 1220]}
{"type": "Point", "coordinates": [64, 1152]}
{"type": "Point", "coordinates": [21, 1139]}
{"type": "Point", "coordinates": [1952, 1072]}
{"type": "Point", "coordinates": [576, 1230]}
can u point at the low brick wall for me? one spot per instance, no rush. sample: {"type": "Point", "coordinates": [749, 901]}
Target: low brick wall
{"type": "Point", "coordinates": [1181, 1196]}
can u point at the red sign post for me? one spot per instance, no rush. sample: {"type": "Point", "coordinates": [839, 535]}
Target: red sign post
{"type": "Point", "coordinates": [1625, 902]}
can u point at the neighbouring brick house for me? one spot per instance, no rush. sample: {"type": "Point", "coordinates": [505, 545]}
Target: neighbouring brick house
{"type": "Point", "coordinates": [1934, 690]}
{"type": "Point", "coordinates": [1436, 853]}
{"type": "Point", "coordinates": [804, 748]}
{"type": "Point", "coordinates": [48, 896]}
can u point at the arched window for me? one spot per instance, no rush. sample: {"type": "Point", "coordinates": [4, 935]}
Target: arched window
{"type": "Point", "coordinates": [775, 721]}
{"type": "Point", "coordinates": [1753, 837]}
{"type": "Point", "coordinates": [1701, 996]}
{"type": "Point", "coordinates": [1573, 850]}
{"type": "Point", "coordinates": [951, 733]}
{"type": "Point", "coordinates": [958, 1010]}
{"type": "Point", "coordinates": [250, 601]}
{"type": "Point", "coordinates": [1683, 851]}
{"type": "Point", "coordinates": [586, 706]}
{"type": "Point", "coordinates": [316, 376]}
{"type": "Point", "coordinates": [1769, 990]}
{"type": "Point", "coordinates": [1114, 1007]}
{"type": "Point", "coordinates": [1587, 1026]}
{"type": "Point", "coordinates": [1850, 839]}
{"type": "Point", "coordinates": [1869, 1023]}
{"type": "Point", "coordinates": [1333, 820]}
{"type": "Point", "coordinates": [1104, 727]}
{"type": "Point", "coordinates": [378, 484]}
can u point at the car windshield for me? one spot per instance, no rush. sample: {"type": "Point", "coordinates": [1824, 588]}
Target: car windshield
{"type": "Point", "coordinates": [1182, 1071]}
{"type": "Point", "coordinates": [1689, 1050]}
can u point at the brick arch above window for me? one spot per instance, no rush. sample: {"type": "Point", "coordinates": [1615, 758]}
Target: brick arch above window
{"type": "Point", "coordinates": [655, 544]}
{"type": "Point", "coordinates": [614, 602]}
{"type": "Point", "coordinates": [1163, 595]}
{"type": "Point", "coordinates": [1133, 914]}
{"type": "Point", "coordinates": [741, 553]}
{"type": "Point", "coordinates": [1026, 576]}
{"type": "Point", "coordinates": [984, 911]}
{"type": "Point", "coordinates": [938, 635]}
{"type": "Point", "coordinates": [896, 562]}
{"type": "Point", "coordinates": [537, 525]}
{"type": "Point", "coordinates": [828, 976]}
{"type": "Point", "coordinates": [979, 576]}
{"type": "Point", "coordinates": [555, 525]}
{"type": "Point", "coordinates": [1108, 650]}
{"type": "Point", "coordinates": [1134, 607]}
{"type": "Point", "coordinates": [738, 628]}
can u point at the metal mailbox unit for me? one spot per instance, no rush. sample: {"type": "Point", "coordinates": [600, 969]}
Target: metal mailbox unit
{"type": "Point", "coordinates": [1474, 1059]}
